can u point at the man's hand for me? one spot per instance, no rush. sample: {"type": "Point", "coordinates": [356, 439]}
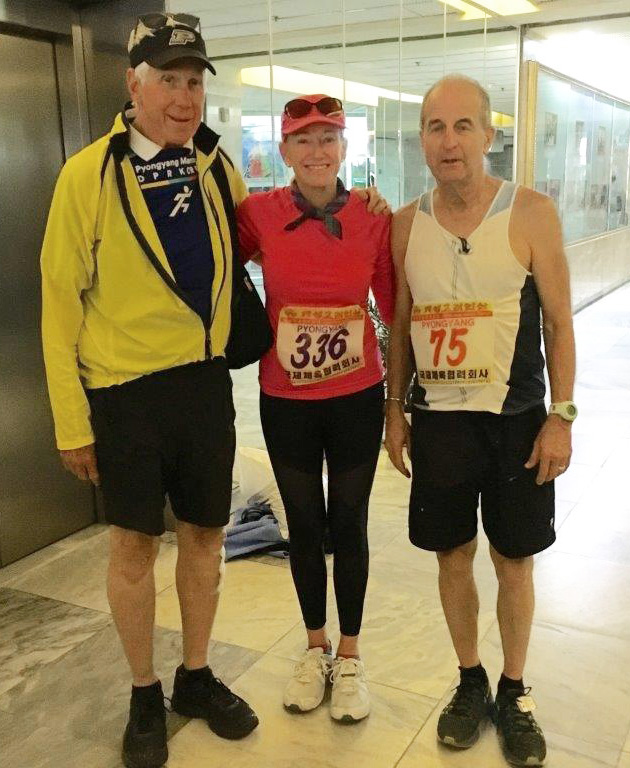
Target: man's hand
{"type": "Point", "coordinates": [376, 203]}
{"type": "Point", "coordinates": [397, 436]}
{"type": "Point", "coordinates": [552, 449]}
{"type": "Point", "coordinates": [82, 463]}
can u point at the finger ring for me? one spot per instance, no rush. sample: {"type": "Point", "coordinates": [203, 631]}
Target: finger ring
{"type": "Point", "coordinates": [561, 466]}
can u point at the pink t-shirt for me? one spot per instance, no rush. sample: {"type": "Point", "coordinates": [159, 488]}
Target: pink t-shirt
{"type": "Point", "coordinates": [316, 288]}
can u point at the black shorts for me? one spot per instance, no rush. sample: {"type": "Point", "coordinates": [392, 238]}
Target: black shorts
{"type": "Point", "coordinates": [170, 432]}
{"type": "Point", "coordinates": [347, 428]}
{"type": "Point", "coordinates": [458, 456]}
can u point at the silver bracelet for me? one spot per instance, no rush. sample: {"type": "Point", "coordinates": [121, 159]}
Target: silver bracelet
{"type": "Point", "coordinates": [396, 400]}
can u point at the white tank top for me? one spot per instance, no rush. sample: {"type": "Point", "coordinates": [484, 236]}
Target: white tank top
{"type": "Point", "coordinates": [475, 326]}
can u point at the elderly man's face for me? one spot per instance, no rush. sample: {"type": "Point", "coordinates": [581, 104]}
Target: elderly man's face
{"type": "Point", "coordinates": [168, 102]}
{"type": "Point", "coordinates": [454, 138]}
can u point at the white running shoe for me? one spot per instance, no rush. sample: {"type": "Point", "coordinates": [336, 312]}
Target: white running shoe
{"type": "Point", "coordinates": [350, 698]}
{"type": "Point", "coordinates": [305, 690]}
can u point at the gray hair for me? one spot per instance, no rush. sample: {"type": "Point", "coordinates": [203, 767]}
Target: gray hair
{"type": "Point", "coordinates": [484, 98]}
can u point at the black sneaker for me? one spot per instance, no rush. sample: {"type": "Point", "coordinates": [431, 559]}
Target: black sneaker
{"type": "Point", "coordinates": [144, 742]}
{"type": "Point", "coordinates": [521, 739]}
{"type": "Point", "coordinates": [204, 695]}
{"type": "Point", "coordinates": [460, 721]}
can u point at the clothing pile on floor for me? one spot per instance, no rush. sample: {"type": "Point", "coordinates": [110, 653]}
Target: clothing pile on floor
{"type": "Point", "coordinates": [254, 529]}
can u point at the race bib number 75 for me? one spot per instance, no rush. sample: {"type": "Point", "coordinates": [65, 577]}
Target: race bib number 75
{"type": "Point", "coordinates": [320, 343]}
{"type": "Point", "coordinates": [453, 342]}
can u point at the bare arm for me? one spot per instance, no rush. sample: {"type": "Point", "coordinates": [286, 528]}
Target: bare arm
{"type": "Point", "coordinates": [399, 349]}
{"type": "Point", "coordinates": [552, 448]}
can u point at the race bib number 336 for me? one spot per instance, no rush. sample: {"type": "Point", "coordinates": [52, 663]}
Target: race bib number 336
{"type": "Point", "coordinates": [318, 343]}
{"type": "Point", "coordinates": [453, 342]}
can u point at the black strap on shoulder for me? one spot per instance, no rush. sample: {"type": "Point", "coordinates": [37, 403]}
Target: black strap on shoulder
{"type": "Point", "coordinates": [108, 154]}
{"type": "Point", "coordinates": [221, 179]}
{"type": "Point", "coordinates": [142, 241]}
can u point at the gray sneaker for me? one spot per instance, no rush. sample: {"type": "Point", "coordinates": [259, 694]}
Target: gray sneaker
{"type": "Point", "coordinates": [460, 722]}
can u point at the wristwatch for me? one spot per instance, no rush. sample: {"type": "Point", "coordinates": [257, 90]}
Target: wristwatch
{"type": "Point", "coordinates": [567, 410]}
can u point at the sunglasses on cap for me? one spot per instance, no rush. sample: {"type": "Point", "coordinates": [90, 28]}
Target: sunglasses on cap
{"type": "Point", "coordinates": [297, 108]}
{"type": "Point", "coordinates": [159, 20]}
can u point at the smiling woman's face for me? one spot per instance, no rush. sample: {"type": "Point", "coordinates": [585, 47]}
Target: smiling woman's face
{"type": "Point", "coordinates": [168, 102]}
{"type": "Point", "coordinates": [315, 154]}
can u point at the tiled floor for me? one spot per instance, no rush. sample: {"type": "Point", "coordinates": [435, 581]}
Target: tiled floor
{"type": "Point", "coordinates": [63, 680]}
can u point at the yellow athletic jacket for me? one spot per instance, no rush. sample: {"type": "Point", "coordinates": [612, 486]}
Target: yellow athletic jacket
{"type": "Point", "coordinates": [108, 315]}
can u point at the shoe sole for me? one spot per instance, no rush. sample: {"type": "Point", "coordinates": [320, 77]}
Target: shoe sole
{"type": "Point", "coordinates": [348, 719]}
{"type": "Point", "coordinates": [449, 741]}
{"type": "Point", "coordinates": [156, 759]}
{"type": "Point", "coordinates": [295, 710]}
{"type": "Point", "coordinates": [530, 762]}
{"type": "Point", "coordinates": [233, 734]}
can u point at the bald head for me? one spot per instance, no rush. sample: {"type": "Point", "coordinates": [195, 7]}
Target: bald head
{"type": "Point", "coordinates": [459, 81]}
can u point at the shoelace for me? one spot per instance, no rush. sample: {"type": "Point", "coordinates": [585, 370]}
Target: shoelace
{"type": "Point", "coordinates": [308, 663]}
{"type": "Point", "coordinates": [466, 695]}
{"type": "Point", "coordinates": [522, 722]}
{"type": "Point", "coordinates": [346, 671]}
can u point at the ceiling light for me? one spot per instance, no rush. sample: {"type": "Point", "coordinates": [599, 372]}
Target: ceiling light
{"type": "Point", "coordinates": [470, 12]}
{"type": "Point", "coordinates": [298, 81]}
{"type": "Point", "coordinates": [477, 9]}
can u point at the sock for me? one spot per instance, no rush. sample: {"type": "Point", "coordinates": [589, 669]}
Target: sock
{"type": "Point", "coordinates": [195, 674]}
{"type": "Point", "coordinates": [474, 672]}
{"type": "Point", "coordinates": [347, 656]}
{"type": "Point", "coordinates": [506, 683]}
{"type": "Point", "coordinates": [147, 691]}
{"type": "Point", "coordinates": [327, 648]}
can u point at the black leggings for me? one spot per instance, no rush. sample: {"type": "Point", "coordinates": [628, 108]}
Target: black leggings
{"type": "Point", "coordinates": [348, 431]}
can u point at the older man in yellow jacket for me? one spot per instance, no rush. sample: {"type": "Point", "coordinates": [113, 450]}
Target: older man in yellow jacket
{"type": "Point", "coordinates": [137, 285]}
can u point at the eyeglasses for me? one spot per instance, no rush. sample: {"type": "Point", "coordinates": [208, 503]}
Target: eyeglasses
{"type": "Point", "coordinates": [159, 20]}
{"type": "Point", "coordinates": [301, 107]}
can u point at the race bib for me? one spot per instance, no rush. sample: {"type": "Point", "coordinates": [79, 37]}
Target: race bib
{"type": "Point", "coordinates": [453, 342]}
{"type": "Point", "coordinates": [320, 343]}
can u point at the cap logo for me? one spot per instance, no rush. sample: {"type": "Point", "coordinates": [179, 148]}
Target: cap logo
{"type": "Point", "coordinates": [182, 37]}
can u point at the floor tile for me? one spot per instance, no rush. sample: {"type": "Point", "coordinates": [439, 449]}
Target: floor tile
{"type": "Point", "coordinates": [85, 694]}
{"type": "Point", "coordinates": [284, 740]}
{"type": "Point", "coordinates": [584, 593]}
{"type": "Point", "coordinates": [78, 576]}
{"type": "Point", "coordinates": [36, 632]}
{"type": "Point", "coordinates": [624, 760]}
{"type": "Point", "coordinates": [258, 606]}
{"type": "Point", "coordinates": [575, 682]}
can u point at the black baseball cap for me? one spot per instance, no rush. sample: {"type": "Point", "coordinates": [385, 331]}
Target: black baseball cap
{"type": "Point", "coordinates": [160, 39]}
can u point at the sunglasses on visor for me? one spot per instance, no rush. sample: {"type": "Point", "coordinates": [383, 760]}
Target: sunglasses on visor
{"type": "Point", "coordinates": [301, 107]}
{"type": "Point", "coordinates": [159, 20]}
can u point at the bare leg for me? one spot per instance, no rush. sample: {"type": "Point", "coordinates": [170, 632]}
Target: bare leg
{"type": "Point", "coordinates": [515, 609]}
{"type": "Point", "coordinates": [198, 577]}
{"type": "Point", "coordinates": [348, 645]}
{"type": "Point", "coordinates": [317, 637]}
{"type": "Point", "coordinates": [131, 593]}
{"type": "Point", "coordinates": [460, 601]}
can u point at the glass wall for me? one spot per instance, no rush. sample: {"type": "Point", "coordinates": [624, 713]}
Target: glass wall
{"type": "Point", "coordinates": [582, 155]}
{"type": "Point", "coordinates": [378, 58]}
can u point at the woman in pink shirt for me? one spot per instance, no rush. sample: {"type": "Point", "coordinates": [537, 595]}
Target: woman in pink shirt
{"type": "Point", "coordinates": [322, 383]}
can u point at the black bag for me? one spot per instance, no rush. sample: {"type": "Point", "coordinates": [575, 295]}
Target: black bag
{"type": "Point", "coordinates": [250, 333]}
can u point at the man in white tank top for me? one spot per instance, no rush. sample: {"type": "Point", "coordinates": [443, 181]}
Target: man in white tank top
{"type": "Point", "coordinates": [476, 261]}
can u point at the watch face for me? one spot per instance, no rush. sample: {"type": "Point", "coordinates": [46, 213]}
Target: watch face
{"type": "Point", "coordinates": [571, 410]}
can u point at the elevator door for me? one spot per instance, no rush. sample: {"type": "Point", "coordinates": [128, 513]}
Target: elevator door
{"type": "Point", "coordinates": [39, 502]}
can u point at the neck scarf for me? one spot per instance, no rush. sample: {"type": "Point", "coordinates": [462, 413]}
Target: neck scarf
{"type": "Point", "coordinates": [325, 214]}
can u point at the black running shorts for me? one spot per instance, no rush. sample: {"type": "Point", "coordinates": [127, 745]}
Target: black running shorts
{"type": "Point", "coordinates": [460, 456]}
{"type": "Point", "coordinates": [170, 432]}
